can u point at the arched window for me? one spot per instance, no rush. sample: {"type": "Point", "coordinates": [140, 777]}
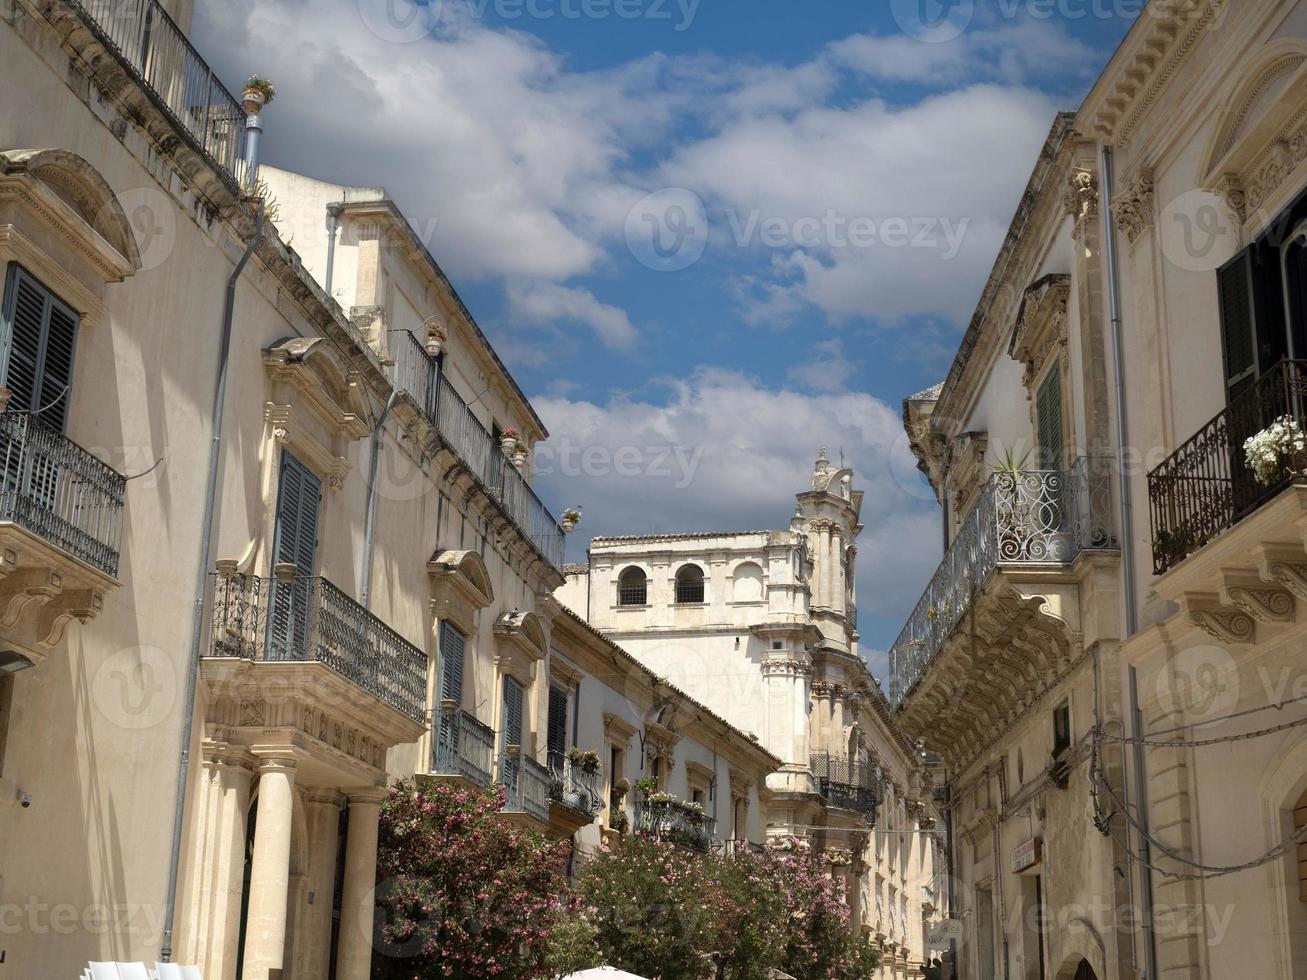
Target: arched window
{"type": "Point", "coordinates": [689, 584]}
{"type": "Point", "coordinates": [748, 583]}
{"type": "Point", "coordinates": [632, 587]}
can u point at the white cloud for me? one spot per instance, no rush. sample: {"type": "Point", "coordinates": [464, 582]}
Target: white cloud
{"type": "Point", "coordinates": [549, 303]}
{"type": "Point", "coordinates": [829, 368]}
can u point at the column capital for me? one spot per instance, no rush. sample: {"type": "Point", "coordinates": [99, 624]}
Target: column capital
{"type": "Point", "coordinates": [373, 795]}
{"type": "Point", "coordinates": [325, 797]}
{"type": "Point", "coordinates": [276, 758]}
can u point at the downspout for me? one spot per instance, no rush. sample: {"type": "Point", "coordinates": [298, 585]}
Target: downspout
{"type": "Point", "coordinates": [253, 128]}
{"type": "Point", "coordinates": [365, 577]}
{"type": "Point", "coordinates": [333, 223]}
{"type": "Point", "coordinates": [1128, 566]}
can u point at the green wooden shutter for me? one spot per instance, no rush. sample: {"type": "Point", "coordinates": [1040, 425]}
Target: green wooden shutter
{"type": "Point", "coordinates": [299, 498]}
{"type": "Point", "coordinates": [453, 647]}
{"type": "Point", "coordinates": [512, 734]}
{"type": "Point", "coordinates": [40, 336]}
{"type": "Point", "coordinates": [557, 727]}
{"type": "Point", "coordinates": [1048, 413]}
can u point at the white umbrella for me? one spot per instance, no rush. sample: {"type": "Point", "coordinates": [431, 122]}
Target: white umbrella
{"type": "Point", "coordinates": [603, 973]}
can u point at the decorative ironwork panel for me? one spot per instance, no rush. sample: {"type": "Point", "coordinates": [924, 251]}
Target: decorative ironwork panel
{"type": "Point", "coordinates": [667, 820]}
{"type": "Point", "coordinates": [1206, 486]}
{"type": "Point", "coordinates": [526, 786]}
{"type": "Point", "coordinates": [59, 491]}
{"type": "Point", "coordinates": [416, 373]}
{"type": "Point", "coordinates": [153, 49]}
{"type": "Point", "coordinates": [1032, 517]}
{"type": "Point", "coordinates": [849, 785]}
{"type": "Point", "coordinates": [464, 747]}
{"type": "Point", "coordinates": [329, 627]}
{"type": "Point", "coordinates": [573, 786]}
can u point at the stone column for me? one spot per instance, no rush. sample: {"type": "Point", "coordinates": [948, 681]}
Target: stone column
{"type": "Point", "coordinates": [218, 856]}
{"type": "Point", "coordinates": [838, 601]}
{"type": "Point", "coordinates": [354, 952]}
{"type": "Point", "coordinates": [265, 920]}
{"type": "Point", "coordinates": [323, 833]}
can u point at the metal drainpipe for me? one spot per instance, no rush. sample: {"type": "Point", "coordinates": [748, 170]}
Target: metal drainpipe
{"type": "Point", "coordinates": [1128, 567]}
{"type": "Point", "coordinates": [365, 578]}
{"type": "Point", "coordinates": [333, 224]}
{"type": "Point", "coordinates": [206, 544]}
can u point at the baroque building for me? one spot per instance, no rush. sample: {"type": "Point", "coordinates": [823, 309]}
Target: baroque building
{"type": "Point", "coordinates": [761, 626]}
{"type": "Point", "coordinates": [1108, 659]}
{"type": "Point", "coordinates": [269, 537]}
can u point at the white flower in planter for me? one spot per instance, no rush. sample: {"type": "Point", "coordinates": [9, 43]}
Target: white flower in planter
{"type": "Point", "coordinates": [1269, 451]}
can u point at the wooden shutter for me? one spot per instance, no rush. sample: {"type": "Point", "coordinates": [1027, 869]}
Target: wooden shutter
{"type": "Point", "coordinates": [453, 648]}
{"type": "Point", "coordinates": [1238, 324]}
{"type": "Point", "coordinates": [1048, 413]}
{"type": "Point", "coordinates": [299, 497]}
{"type": "Point", "coordinates": [557, 725]}
{"type": "Point", "coordinates": [512, 712]}
{"type": "Point", "coordinates": [40, 335]}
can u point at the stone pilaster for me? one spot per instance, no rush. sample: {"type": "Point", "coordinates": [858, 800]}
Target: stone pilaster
{"type": "Point", "coordinates": [354, 952]}
{"type": "Point", "coordinates": [265, 920]}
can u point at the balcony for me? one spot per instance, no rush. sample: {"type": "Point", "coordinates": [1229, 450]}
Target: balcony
{"type": "Point", "coordinates": [155, 53]}
{"type": "Point", "coordinates": [1000, 620]}
{"type": "Point", "coordinates": [847, 785]}
{"type": "Point", "coordinates": [462, 747]}
{"type": "Point", "coordinates": [526, 786]}
{"type": "Point", "coordinates": [1044, 518]}
{"type": "Point", "coordinates": [1205, 487]}
{"type": "Point", "coordinates": [299, 619]}
{"type": "Point", "coordinates": [418, 374]}
{"type": "Point", "coordinates": [574, 794]}
{"type": "Point", "coordinates": [673, 821]}
{"type": "Point", "coordinates": [60, 524]}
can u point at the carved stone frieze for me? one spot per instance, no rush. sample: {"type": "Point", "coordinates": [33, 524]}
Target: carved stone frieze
{"type": "Point", "coordinates": [1133, 206]}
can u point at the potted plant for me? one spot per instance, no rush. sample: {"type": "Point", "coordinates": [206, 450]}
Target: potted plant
{"type": "Point", "coordinates": [437, 337]}
{"type": "Point", "coordinates": [621, 788]}
{"type": "Point", "coordinates": [587, 762]}
{"type": "Point", "coordinates": [1276, 451]}
{"type": "Point", "coordinates": [508, 440]}
{"type": "Point", "coordinates": [519, 454]}
{"type": "Point", "coordinates": [258, 92]}
{"type": "Point", "coordinates": [619, 821]}
{"type": "Point", "coordinates": [647, 787]}
{"type": "Point", "coordinates": [570, 519]}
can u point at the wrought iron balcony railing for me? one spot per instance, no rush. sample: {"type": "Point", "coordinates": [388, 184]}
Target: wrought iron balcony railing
{"type": "Point", "coordinates": [155, 51]}
{"type": "Point", "coordinates": [736, 846]}
{"type": "Point", "coordinates": [418, 374]}
{"type": "Point", "coordinates": [669, 820]}
{"type": "Point", "coordinates": [573, 786]}
{"type": "Point", "coordinates": [848, 785]}
{"type": "Point", "coordinates": [463, 746]}
{"type": "Point", "coordinates": [1040, 517]}
{"type": "Point", "coordinates": [526, 785]}
{"type": "Point", "coordinates": [298, 618]}
{"type": "Point", "coordinates": [60, 492]}
{"type": "Point", "coordinates": [1206, 486]}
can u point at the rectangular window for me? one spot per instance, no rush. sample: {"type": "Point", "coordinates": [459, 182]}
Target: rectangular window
{"type": "Point", "coordinates": [295, 542]}
{"type": "Point", "coordinates": [616, 765]}
{"type": "Point", "coordinates": [1061, 728]}
{"type": "Point", "coordinates": [40, 334]}
{"type": "Point", "coordinates": [450, 697]}
{"type": "Point", "coordinates": [557, 728]}
{"type": "Point", "coordinates": [511, 732]}
{"type": "Point", "coordinates": [1048, 413]}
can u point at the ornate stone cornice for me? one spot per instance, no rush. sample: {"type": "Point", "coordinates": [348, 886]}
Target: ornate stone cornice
{"type": "Point", "coordinates": [1229, 624]}
{"type": "Point", "coordinates": [1265, 603]}
{"type": "Point", "coordinates": [786, 668]}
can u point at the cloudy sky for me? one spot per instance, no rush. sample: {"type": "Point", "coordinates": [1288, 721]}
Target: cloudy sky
{"type": "Point", "coordinates": [708, 237]}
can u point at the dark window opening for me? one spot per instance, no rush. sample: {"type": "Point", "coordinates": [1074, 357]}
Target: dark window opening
{"type": "Point", "coordinates": [689, 585]}
{"type": "Point", "coordinates": [1061, 728]}
{"type": "Point", "coordinates": [632, 588]}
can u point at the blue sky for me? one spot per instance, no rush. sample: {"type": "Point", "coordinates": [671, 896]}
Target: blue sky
{"type": "Point", "coordinates": [708, 237]}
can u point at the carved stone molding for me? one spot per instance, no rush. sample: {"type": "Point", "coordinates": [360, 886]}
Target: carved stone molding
{"type": "Point", "coordinates": [288, 428]}
{"type": "Point", "coordinates": [786, 668]}
{"type": "Point", "coordinates": [617, 729]}
{"type": "Point", "coordinates": [1265, 603]}
{"type": "Point", "coordinates": [1290, 574]}
{"type": "Point", "coordinates": [1081, 199]}
{"type": "Point", "coordinates": [1041, 328]}
{"type": "Point", "coordinates": [1227, 623]}
{"type": "Point", "coordinates": [1133, 206]}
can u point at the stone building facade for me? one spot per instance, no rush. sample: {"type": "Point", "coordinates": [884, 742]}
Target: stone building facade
{"type": "Point", "coordinates": [1109, 659]}
{"type": "Point", "coordinates": [267, 542]}
{"type": "Point", "coordinates": [762, 627]}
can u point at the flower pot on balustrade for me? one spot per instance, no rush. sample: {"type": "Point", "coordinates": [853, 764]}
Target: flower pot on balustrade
{"type": "Point", "coordinates": [519, 458]}
{"type": "Point", "coordinates": [6, 395]}
{"type": "Point", "coordinates": [434, 347]}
